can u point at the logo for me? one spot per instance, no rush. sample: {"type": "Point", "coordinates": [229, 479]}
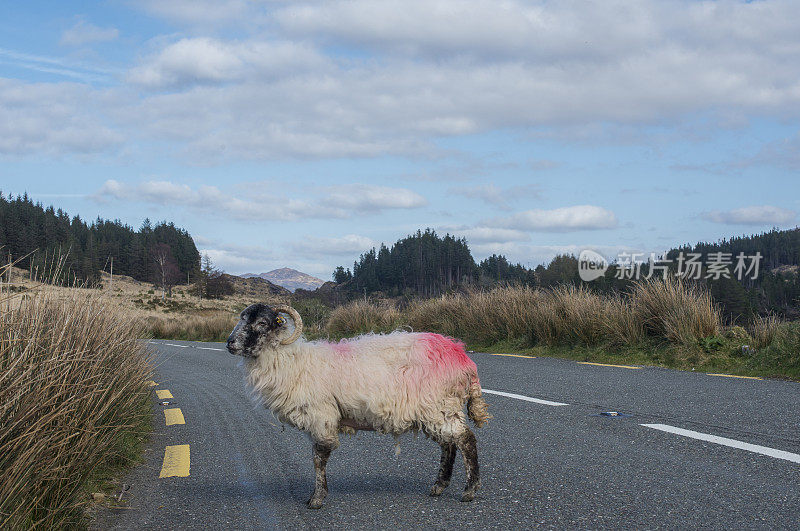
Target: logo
{"type": "Point", "coordinates": [591, 265]}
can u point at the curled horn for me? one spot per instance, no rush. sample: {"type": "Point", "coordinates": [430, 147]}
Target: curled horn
{"type": "Point", "coordinates": [298, 323]}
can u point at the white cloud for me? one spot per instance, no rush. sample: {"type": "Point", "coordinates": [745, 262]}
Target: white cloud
{"type": "Point", "coordinates": [56, 65]}
{"type": "Point", "coordinates": [424, 70]}
{"type": "Point", "coordinates": [532, 255]}
{"type": "Point", "coordinates": [565, 219]}
{"type": "Point", "coordinates": [204, 60]}
{"type": "Point", "coordinates": [752, 215]}
{"type": "Point", "coordinates": [84, 33]}
{"type": "Point", "coordinates": [486, 235]}
{"type": "Point", "coordinates": [235, 263]}
{"type": "Point", "coordinates": [370, 198]}
{"type": "Point", "coordinates": [784, 153]}
{"type": "Point", "coordinates": [188, 60]}
{"type": "Point", "coordinates": [348, 245]}
{"type": "Point", "coordinates": [210, 199]}
{"type": "Point", "coordinates": [564, 32]}
{"type": "Point", "coordinates": [200, 12]}
{"type": "Point", "coordinates": [493, 195]}
{"type": "Point", "coordinates": [65, 124]}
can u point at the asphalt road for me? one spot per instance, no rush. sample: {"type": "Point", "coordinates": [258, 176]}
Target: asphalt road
{"type": "Point", "coordinates": [542, 465]}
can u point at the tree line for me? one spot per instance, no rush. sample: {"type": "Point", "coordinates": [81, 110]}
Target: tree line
{"type": "Point", "coordinates": [775, 289]}
{"type": "Point", "coordinates": [36, 237]}
{"type": "Point", "coordinates": [425, 265]}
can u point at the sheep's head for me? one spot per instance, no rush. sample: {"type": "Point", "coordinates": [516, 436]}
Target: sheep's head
{"type": "Point", "coordinates": [260, 325]}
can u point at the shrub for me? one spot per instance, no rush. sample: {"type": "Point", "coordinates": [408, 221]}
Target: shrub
{"type": "Point", "coordinates": [72, 391]}
{"type": "Point", "coordinates": [672, 310]}
{"type": "Point", "coordinates": [764, 330]}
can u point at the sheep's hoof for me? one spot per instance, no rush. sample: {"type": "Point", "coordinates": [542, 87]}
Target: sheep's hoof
{"type": "Point", "coordinates": [437, 489]}
{"type": "Point", "coordinates": [469, 492]}
{"type": "Point", "coordinates": [315, 503]}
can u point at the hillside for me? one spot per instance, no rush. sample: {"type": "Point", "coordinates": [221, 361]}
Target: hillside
{"type": "Point", "coordinates": [255, 287]}
{"type": "Point", "coordinates": [289, 278]}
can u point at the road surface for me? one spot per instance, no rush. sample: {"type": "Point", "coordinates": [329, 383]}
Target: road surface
{"type": "Point", "coordinates": [687, 450]}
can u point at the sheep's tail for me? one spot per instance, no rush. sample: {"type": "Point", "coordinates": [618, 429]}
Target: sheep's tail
{"type": "Point", "coordinates": [477, 408]}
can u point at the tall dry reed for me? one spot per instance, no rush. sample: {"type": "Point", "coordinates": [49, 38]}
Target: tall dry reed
{"type": "Point", "coordinates": [675, 311]}
{"type": "Point", "coordinates": [765, 330]}
{"type": "Point", "coordinates": [72, 388]}
{"type": "Point", "coordinates": [564, 315]}
{"type": "Point", "coordinates": [211, 326]}
{"type": "Point", "coordinates": [359, 317]}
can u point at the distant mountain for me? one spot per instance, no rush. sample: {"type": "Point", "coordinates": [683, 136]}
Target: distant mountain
{"type": "Point", "coordinates": [255, 286]}
{"type": "Point", "coordinates": [290, 279]}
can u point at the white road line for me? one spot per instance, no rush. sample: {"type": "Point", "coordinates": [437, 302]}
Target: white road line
{"type": "Point", "coordinates": [526, 398]}
{"type": "Point", "coordinates": [176, 345]}
{"type": "Point", "coordinates": [208, 348]}
{"type": "Point", "coordinates": [733, 443]}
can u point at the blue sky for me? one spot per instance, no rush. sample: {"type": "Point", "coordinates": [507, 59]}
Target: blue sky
{"type": "Point", "coordinates": [301, 133]}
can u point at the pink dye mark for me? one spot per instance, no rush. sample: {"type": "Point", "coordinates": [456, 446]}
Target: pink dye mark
{"type": "Point", "coordinates": [342, 348]}
{"type": "Point", "coordinates": [445, 351]}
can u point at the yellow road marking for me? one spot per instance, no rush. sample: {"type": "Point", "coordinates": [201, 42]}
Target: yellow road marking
{"type": "Point", "coordinates": [515, 355]}
{"type": "Point", "coordinates": [163, 393]}
{"type": "Point", "coordinates": [151, 383]}
{"type": "Point", "coordinates": [607, 365]}
{"type": "Point", "coordinates": [735, 376]}
{"type": "Point", "coordinates": [176, 462]}
{"type": "Point", "coordinates": [174, 416]}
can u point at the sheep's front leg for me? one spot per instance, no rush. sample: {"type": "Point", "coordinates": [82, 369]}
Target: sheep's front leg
{"type": "Point", "coordinates": [445, 468]}
{"type": "Point", "coordinates": [468, 446]}
{"type": "Point", "coordinates": [321, 454]}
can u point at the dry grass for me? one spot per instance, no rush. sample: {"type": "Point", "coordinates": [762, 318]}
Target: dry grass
{"type": "Point", "coordinates": [500, 314]}
{"type": "Point", "coordinates": [565, 315]}
{"type": "Point", "coordinates": [358, 317]}
{"type": "Point", "coordinates": [765, 330]}
{"type": "Point", "coordinates": [72, 392]}
{"type": "Point", "coordinates": [677, 312]}
{"type": "Point", "coordinates": [211, 326]}
{"type": "Point", "coordinates": [622, 324]}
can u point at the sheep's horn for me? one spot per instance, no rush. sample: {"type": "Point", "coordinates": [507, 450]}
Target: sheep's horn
{"type": "Point", "coordinates": [298, 323]}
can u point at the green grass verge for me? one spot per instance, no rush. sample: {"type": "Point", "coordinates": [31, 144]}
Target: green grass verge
{"type": "Point", "coordinates": [126, 453]}
{"type": "Point", "coordinates": [716, 355]}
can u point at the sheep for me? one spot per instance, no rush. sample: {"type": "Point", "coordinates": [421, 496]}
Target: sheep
{"type": "Point", "coordinates": [389, 383]}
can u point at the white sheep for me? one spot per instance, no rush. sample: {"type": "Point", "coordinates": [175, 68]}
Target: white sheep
{"type": "Point", "coordinates": [390, 383]}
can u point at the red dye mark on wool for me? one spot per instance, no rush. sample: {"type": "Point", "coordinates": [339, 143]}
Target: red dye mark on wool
{"type": "Point", "coordinates": [445, 351]}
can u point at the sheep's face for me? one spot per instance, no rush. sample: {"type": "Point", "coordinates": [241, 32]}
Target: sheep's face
{"type": "Point", "coordinates": [258, 325]}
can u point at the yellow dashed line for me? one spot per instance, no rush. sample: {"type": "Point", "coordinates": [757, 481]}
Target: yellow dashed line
{"type": "Point", "coordinates": [515, 355]}
{"type": "Point", "coordinates": [163, 393]}
{"type": "Point", "coordinates": [608, 365]}
{"type": "Point", "coordinates": [176, 461]}
{"type": "Point", "coordinates": [735, 376]}
{"type": "Point", "coordinates": [174, 416]}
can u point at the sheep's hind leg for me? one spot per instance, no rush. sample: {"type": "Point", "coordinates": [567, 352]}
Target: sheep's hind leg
{"type": "Point", "coordinates": [445, 468]}
{"type": "Point", "coordinates": [321, 454]}
{"type": "Point", "coordinates": [466, 443]}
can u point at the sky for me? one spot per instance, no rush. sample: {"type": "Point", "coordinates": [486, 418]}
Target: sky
{"type": "Point", "coordinates": [300, 134]}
